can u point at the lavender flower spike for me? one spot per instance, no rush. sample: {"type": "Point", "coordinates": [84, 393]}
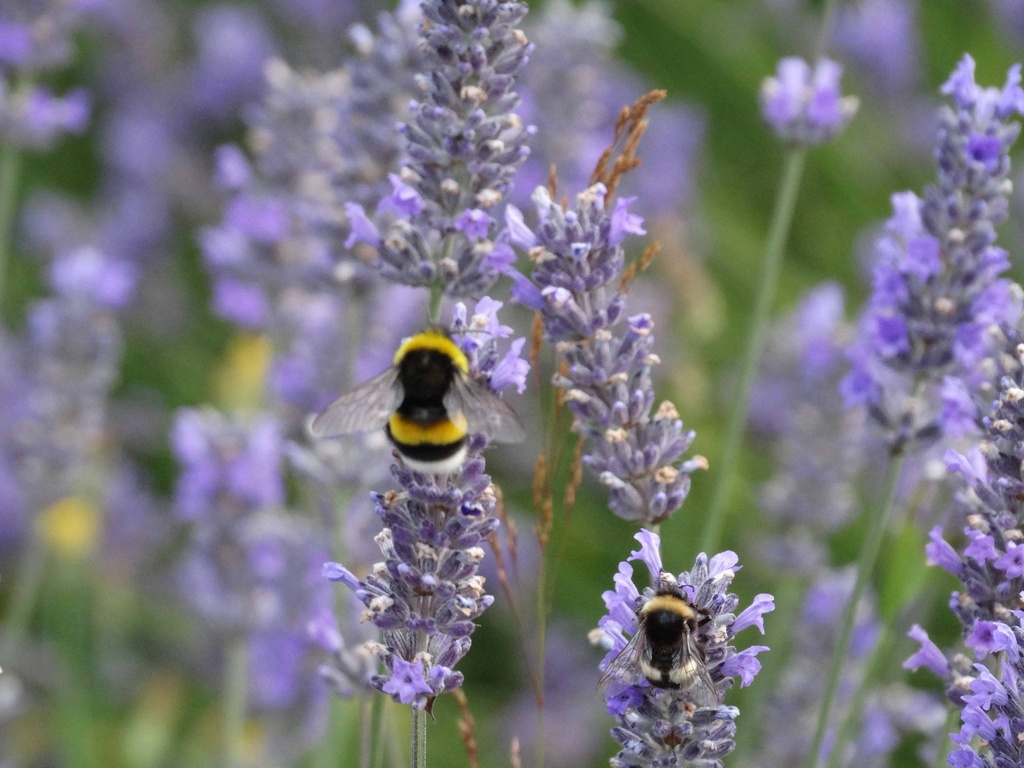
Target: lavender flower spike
{"type": "Point", "coordinates": [994, 710]}
{"type": "Point", "coordinates": [937, 283]}
{"type": "Point", "coordinates": [664, 727]}
{"type": "Point", "coordinates": [426, 593]}
{"type": "Point", "coordinates": [464, 143]}
{"type": "Point", "coordinates": [805, 107]}
{"type": "Point", "coordinates": [576, 287]}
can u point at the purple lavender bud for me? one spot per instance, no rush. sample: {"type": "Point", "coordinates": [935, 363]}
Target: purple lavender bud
{"type": "Point", "coordinates": [427, 592]}
{"type": "Point", "coordinates": [881, 37]}
{"type": "Point", "coordinates": [73, 350]}
{"type": "Point", "coordinates": [929, 654]}
{"type": "Point", "coordinates": [661, 726]}
{"type": "Point", "coordinates": [991, 565]}
{"type": "Point", "coordinates": [937, 283]}
{"type": "Point", "coordinates": [233, 44]}
{"type": "Point", "coordinates": [637, 454]}
{"type": "Point", "coordinates": [464, 143]}
{"type": "Point", "coordinates": [88, 274]}
{"type": "Point", "coordinates": [36, 36]}
{"type": "Point", "coordinates": [813, 490]}
{"type": "Point", "coordinates": [226, 467]}
{"type": "Point", "coordinates": [994, 710]}
{"type": "Point", "coordinates": [478, 336]}
{"type": "Point", "coordinates": [35, 117]}
{"type": "Point", "coordinates": [805, 107]}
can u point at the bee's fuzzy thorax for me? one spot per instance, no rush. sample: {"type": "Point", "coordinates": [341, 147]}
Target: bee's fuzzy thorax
{"type": "Point", "coordinates": [668, 603]}
{"type": "Point", "coordinates": [436, 341]}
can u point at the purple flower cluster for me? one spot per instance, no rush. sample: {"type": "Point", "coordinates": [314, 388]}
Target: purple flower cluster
{"type": "Point", "coordinates": [318, 141]}
{"type": "Point", "coordinates": [937, 283]}
{"type": "Point", "coordinates": [663, 727]}
{"type": "Point", "coordinates": [577, 287]}
{"type": "Point", "coordinates": [230, 475]}
{"type": "Point", "coordinates": [252, 570]}
{"type": "Point", "coordinates": [427, 591]}
{"type": "Point", "coordinates": [72, 353]}
{"type": "Point", "coordinates": [36, 37]}
{"type": "Point", "coordinates": [279, 256]}
{"type": "Point", "coordinates": [813, 491]}
{"type": "Point", "coordinates": [881, 38]}
{"type": "Point", "coordinates": [478, 335]}
{"type": "Point", "coordinates": [805, 107]}
{"type": "Point", "coordinates": [890, 711]}
{"type": "Point", "coordinates": [993, 711]}
{"type": "Point", "coordinates": [991, 565]}
{"type": "Point", "coordinates": [463, 146]}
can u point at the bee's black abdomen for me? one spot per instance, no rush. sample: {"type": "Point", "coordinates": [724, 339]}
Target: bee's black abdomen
{"type": "Point", "coordinates": [428, 453]}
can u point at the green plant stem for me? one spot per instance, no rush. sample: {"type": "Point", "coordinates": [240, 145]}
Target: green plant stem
{"type": "Point", "coordinates": [542, 615]}
{"type": "Point", "coordinates": [874, 669]}
{"type": "Point", "coordinates": [31, 571]}
{"type": "Point", "coordinates": [828, 21]}
{"type": "Point", "coordinates": [778, 233]}
{"type": "Point", "coordinates": [419, 738]}
{"type": "Point", "coordinates": [434, 310]}
{"type": "Point", "coordinates": [236, 694]}
{"type": "Point", "coordinates": [10, 166]}
{"type": "Point", "coordinates": [387, 744]}
{"type": "Point", "coordinates": [366, 730]}
{"type": "Point", "coordinates": [917, 597]}
{"type": "Point", "coordinates": [952, 726]}
{"type": "Point", "coordinates": [877, 524]}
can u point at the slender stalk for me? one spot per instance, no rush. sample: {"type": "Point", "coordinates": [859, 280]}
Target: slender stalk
{"type": "Point", "coordinates": [877, 524]}
{"type": "Point", "coordinates": [942, 748]}
{"type": "Point", "coordinates": [236, 694]}
{"type": "Point", "coordinates": [419, 738]}
{"type": "Point", "coordinates": [542, 615]}
{"type": "Point", "coordinates": [918, 595]}
{"type": "Point", "coordinates": [778, 233]}
{"type": "Point", "coordinates": [31, 571]}
{"type": "Point", "coordinates": [385, 732]}
{"type": "Point", "coordinates": [828, 21]}
{"type": "Point", "coordinates": [366, 730]}
{"type": "Point", "coordinates": [434, 310]}
{"type": "Point", "coordinates": [10, 166]}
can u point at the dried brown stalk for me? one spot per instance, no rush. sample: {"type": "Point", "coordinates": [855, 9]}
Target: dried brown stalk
{"type": "Point", "coordinates": [620, 157]}
{"type": "Point", "coordinates": [467, 729]}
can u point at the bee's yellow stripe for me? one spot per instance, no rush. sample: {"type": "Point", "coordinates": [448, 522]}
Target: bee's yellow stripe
{"type": "Point", "coordinates": [444, 432]}
{"type": "Point", "coordinates": [668, 603]}
{"type": "Point", "coordinates": [436, 341]}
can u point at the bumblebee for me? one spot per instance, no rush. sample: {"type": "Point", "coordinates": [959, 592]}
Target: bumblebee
{"type": "Point", "coordinates": [427, 403]}
{"type": "Point", "coordinates": [665, 648]}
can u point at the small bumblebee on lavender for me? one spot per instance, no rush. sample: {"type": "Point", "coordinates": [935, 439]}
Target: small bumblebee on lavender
{"type": "Point", "coordinates": [666, 648]}
{"type": "Point", "coordinates": [427, 402]}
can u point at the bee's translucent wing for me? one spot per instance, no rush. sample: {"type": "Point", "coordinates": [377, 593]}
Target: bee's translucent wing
{"type": "Point", "coordinates": [626, 665]}
{"type": "Point", "coordinates": [695, 678]}
{"type": "Point", "coordinates": [484, 411]}
{"type": "Point", "coordinates": [365, 409]}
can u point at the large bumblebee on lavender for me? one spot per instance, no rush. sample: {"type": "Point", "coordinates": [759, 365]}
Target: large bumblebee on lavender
{"type": "Point", "coordinates": [427, 402]}
{"type": "Point", "coordinates": [665, 648]}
